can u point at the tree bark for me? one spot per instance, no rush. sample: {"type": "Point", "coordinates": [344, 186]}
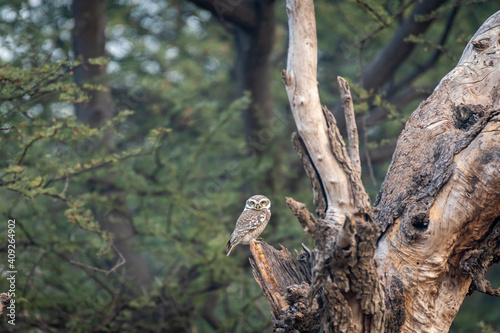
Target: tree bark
{"type": "Point", "coordinates": [434, 231]}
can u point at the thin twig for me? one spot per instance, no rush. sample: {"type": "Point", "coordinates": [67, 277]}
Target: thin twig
{"type": "Point", "coordinates": [96, 166]}
{"type": "Point", "coordinates": [27, 147]}
{"type": "Point", "coordinates": [370, 9]}
{"type": "Point", "coordinates": [65, 186]}
{"type": "Point", "coordinates": [121, 261]}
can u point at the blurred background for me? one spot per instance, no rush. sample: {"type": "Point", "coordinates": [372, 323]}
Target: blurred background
{"type": "Point", "coordinates": [133, 131]}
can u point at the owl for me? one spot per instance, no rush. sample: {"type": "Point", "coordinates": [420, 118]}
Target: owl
{"type": "Point", "coordinates": [251, 222]}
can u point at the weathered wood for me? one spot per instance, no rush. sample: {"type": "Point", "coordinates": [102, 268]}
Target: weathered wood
{"type": "Point", "coordinates": [438, 211]}
{"type": "Point", "coordinates": [361, 201]}
{"type": "Point", "coordinates": [288, 294]}
{"type": "Point", "coordinates": [319, 135]}
{"type": "Point", "coordinates": [274, 270]}
{"type": "Point", "coordinates": [318, 230]}
{"type": "Point", "coordinates": [301, 86]}
{"type": "Point", "coordinates": [352, 130]}
{"type": "Point", "coordinates": [307, 261]}
{"type": "Point", "coordinates": [442, 193]}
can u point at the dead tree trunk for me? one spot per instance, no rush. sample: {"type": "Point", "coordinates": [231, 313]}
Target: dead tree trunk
{"type": "Point", "coordinates": [407, 264]}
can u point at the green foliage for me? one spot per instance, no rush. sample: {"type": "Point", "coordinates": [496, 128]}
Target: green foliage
{"type": "Point", "coordinates": [485, 328]}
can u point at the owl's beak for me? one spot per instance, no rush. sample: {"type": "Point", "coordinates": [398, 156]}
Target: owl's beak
{"type": "Point", "coordinates": [257, 206]}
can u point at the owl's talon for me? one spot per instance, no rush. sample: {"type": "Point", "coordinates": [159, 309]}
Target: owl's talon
{"type": "Point", "coordinates": [260, 239]}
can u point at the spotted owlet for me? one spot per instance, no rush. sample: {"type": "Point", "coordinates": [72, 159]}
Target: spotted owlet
{"type": "Point", "coordinates": [251, 222]}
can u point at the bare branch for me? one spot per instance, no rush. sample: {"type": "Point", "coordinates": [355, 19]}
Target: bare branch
{"type": "Point", "coordinates": [121, 261]}
{"type": "Point", "coordinates": [360, 200]}
{"type": "Point", "coordinates": [352, 130]}
{"type": "Point", "coordinates": [28, 146]}
{"type": "Point", "coordinates": [303, 95]}
{"type": "Point", "coordinates": [305, 217]}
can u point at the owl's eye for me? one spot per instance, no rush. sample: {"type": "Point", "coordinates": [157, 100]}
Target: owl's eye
{"type": "Point", "coordinates": [262, 202]}
{"type": "Point", "coordinates": [252, 203]}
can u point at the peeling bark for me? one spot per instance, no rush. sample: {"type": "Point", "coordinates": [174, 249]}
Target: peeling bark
{"type": "Point", "coordinates": [287, 292]}
{"type": "Point", "coordinates": [275, 271]}
{"type": "Point", "coordinates": [476, 262]}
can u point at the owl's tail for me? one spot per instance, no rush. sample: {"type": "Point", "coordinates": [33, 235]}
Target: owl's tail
{"type": "Point", "coordinates": [229, 247]}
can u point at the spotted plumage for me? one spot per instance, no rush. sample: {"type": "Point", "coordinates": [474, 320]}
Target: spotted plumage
{"type": "Point", "coordinates": [252, 221]}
